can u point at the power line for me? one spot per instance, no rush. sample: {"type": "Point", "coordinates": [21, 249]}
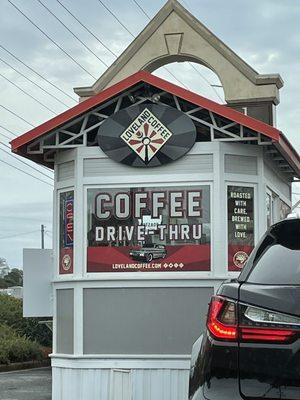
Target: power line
{"type": "Point", "coordinates": [16, 115]}
{"type": "Point", "coordinates": [86, 28]}
{"type": "Point", "coordinates": [8, 130]}
{"type": "Point", "coordinates": [27, 173]}
{"type": "Point", "coordinates": [142, 9]}
{"type": "Point", "coordinates": [6, 137]}
{"type": "Point", "coordinates": [37, 73]}
{"type": "Point", "coordinates": [72, 33]}
{"type": "Point", "coordinates": [28, 94]}
{"type": "Point", "coordinates": [31, 81]}
{"type": "Point", "coordinates": [52, 40]}
{"type": "Point", "coordinates": [100, 41]}
{"type": "Point", "coordinates": [114, 15]}
{"type": "Point", "coordinates": [23, 162]}
{"type": "Point", "coordinates": [19, 234]}
{"type": "Point", "coordinates": [206, 80]}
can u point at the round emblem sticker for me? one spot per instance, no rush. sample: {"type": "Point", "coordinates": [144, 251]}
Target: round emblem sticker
{"type": "Point", "coordinates": [66, 262]}
{"type": "Point", "coordinates": [240, 258]}
{"type": "Point", "coordinates": [147, 135]}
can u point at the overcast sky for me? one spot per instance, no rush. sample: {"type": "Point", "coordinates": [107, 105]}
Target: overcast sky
{"type": "Point", "coordinates": [263, 32]}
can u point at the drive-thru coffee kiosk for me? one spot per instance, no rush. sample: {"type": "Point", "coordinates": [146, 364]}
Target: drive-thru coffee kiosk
{"type": "Point", "coordinates": [160, 195]}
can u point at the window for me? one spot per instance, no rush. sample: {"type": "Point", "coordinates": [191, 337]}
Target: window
{"type": "Point", "coordinates": [277, 259]}
{"type": "Point", "coordinates": [276, 208]}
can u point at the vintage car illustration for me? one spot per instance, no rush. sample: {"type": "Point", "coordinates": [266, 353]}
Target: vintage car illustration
{"type": "Point", "coordinates": [149, 252]}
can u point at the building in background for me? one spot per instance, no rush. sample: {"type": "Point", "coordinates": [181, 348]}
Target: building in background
{"type": "Point", "coordinates": [13, 291]}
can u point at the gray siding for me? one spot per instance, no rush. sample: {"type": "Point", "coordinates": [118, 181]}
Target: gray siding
{"type": "Point", "coordinates": [65, 321]}
{"type": "Point", "coordinates": [143, 320]}
{"type": "Point", "coordinates": [235, 164]}
{"type": "Point", "coordinates": [282, 186]}
{"type": "Point", "coordinates": [65, 171]}
{"type": "Point", "coordinates": [198, 163]}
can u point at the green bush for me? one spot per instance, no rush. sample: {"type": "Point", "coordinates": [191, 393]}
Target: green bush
{"type": "Point", "coordinates": [11, 314]}
{"type": "Point", "coordinates": [14, 348]}
{"type": "Point", "coordinates": [22, 349]}
{"type": "Point", "coordinates": [6, 331]}
{"type": "Point", "coordinates": [4, 353]}
{"type": "Point", "coordinates": [19, 349]}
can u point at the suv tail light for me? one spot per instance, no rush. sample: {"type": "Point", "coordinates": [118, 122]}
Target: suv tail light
{"type": "Point", "coordinates": [230, 320]}
{"type": "Point", "coordinates": [222, 319]}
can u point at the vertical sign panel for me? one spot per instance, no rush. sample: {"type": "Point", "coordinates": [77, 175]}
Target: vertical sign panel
{"type": "Point", "coordinates": [149, 229]}
{"type": "Point", "coordinates": [240, 225]}
{"type": "Point", "coordinates": [66, 232]}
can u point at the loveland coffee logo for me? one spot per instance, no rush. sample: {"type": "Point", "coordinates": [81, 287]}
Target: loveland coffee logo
{"type": "Point", "coordinates": [240, 258]}
{"type": "Point", "coordinates": [147, 135]}
{"type": "Point", "coordinates": [66, 262]}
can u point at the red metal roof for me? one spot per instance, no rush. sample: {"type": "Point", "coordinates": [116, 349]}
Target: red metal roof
{"type": "Point", "coordinates": [143, 76]}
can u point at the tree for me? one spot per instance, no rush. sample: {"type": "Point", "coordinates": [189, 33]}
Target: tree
{"type": "Point", "coordinates": [14, 277]}
{"type": "Point", "coordinates": [3, 262]}
{"type": "Point", "coordinates": [3, 284]}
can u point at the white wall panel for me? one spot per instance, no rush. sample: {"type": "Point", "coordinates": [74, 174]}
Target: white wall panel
{"type": "Point", "coordinates": [65, 171]}
{"type": "Point", "coordinates": [105, 384]}
{"type": "Point", "coordinates": [272, 176]}
{"type": "Point", "coordinates": [121, 387]}
{"type": "Point", "coordinates": [197, 163]}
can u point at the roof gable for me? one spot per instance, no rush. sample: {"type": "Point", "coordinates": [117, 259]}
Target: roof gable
{"type": "Point", "coordinates": [265, 134]}
{"type": "Point", "coordinates": [173, 35]}
{"type": "Point", "coordinates": [143, 76]}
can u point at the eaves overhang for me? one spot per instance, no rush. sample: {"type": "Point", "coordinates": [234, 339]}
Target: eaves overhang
{"type": "Point", "coordinates": [275, 137]}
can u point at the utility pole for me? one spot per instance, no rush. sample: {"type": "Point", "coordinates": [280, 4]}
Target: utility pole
{"type": "Point", "coordinates": [43, 236]}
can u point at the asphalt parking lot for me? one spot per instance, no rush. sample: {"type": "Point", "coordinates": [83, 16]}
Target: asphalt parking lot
{"type": "Point", "coordinates": [33, 384]}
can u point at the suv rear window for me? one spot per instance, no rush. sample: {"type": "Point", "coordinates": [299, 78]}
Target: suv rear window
{"type": "Point", "coordinates": [276, 261]}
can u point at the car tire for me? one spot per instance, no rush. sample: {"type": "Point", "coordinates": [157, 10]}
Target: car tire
{"type": "Point", "coordinates": [149, 257]}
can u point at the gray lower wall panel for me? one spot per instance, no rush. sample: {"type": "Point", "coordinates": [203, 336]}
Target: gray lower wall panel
{"type": "Point", "coordinates": [143, 320]}
{"type": "Point", "coordinates": [65, 321]}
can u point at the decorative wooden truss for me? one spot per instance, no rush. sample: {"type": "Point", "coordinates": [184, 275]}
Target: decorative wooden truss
{"type": "Point", "coordinates": [82, 131]}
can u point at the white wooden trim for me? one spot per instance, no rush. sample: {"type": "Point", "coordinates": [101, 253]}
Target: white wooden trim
{"type": "Point", "coordinates": [78, 319]}
{"type": "Point", "coordinates": [144, 361]}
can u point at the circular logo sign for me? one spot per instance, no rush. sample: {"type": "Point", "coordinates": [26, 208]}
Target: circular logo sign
{"type": "Point", "coordinates": [66, 262]}
{"type": "Point", "coordinates": [147, 135]}
{"type": "Point", "coordinates": [240, 258]}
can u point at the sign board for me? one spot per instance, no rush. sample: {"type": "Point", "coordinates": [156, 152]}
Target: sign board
{"type": "Point", "coordinates": [149, 229]}
{"type": "Point", "coordinates": [240, 225]}
{"type": "Point", "coordinates": [147, 135]}
{"type": "Point", "coordinates": [37, 283]}
{"type": "Point", "coordinates": [66, 232]}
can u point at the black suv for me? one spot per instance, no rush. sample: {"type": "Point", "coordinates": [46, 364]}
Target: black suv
{"type": "Point", "coordinates": [251, 347]}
